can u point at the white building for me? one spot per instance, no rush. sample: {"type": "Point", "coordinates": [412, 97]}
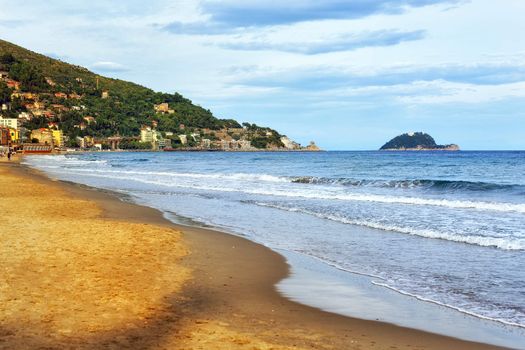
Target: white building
{"type": "Point", "coordinates": [146, 134]}
{"type": "Point", "coordinates": [9, 122]}
{"type": "Point", "coordinates": [25, 115]}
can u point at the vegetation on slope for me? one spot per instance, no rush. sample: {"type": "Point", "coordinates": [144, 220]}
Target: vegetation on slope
{"type": "Point", "coordinates": [415, 140]}
{"type": "Point", "coordinates": [127, 108]}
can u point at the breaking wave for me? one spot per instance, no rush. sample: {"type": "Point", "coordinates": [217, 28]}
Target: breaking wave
{"type": "Point", "coordinates": [484, 241]}
{"type": "Point", "coordinates": [447, 185]}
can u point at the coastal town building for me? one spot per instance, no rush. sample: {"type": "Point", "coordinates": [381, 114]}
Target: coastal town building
{"type": "Point", "coordinates": [50, 81]}
{"type": "Point", "coordinates": [9, 122]}
{"type": "Point", "coordinates": [89, 119]}
{"type": "Point", "coordinates": [59, 108]}
{"type": "Point", "coordinates": [14, 135]}
{"type": "Point", "coordinates": [24, 95]}
{"type": "Point", "coordinates": [25, 116]}
{"type": "Point", "coordinates": [147, 134]}
{"type": "Point", "coordinates": [162, 143]}
{"type": "Point", "coordinates": [163, 108]}
{"type": "Point", "coordinates": [234, 145]}
{"type": "Point", "coordinates": [58, 138]}
{"type": "Point", "coordinates": [34, 148]}
{"type": "Point", "coordinates": [13, 84]}
{"type": "Point", "coordinates": [5, 136]}
{"type": "Point", "coordinates": [43, 136]}
{"type": "Point", "coordinates": [81, 126]}
{"type": "Point", "coordinates": [85, 142]}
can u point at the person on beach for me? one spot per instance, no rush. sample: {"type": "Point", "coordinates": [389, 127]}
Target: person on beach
{"type": "Point", "coordinates": [9, 154]}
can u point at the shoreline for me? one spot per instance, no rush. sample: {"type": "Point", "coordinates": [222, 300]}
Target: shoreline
{"type": "Point", "coordinates": [232, 291]}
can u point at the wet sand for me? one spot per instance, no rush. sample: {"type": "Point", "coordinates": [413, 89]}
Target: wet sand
{"type": "Point", "coordinates": [84, 269]}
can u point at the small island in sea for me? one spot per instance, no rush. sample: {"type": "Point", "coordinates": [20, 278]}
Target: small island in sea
{"type": "Point", "coordinates": [416, 141]}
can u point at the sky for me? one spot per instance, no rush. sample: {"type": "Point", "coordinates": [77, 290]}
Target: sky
{"type": "Point", "coordinates": [349, 74]}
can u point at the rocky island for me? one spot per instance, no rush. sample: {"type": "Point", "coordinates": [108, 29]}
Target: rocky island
{"type": "Point", "coordinates": [416, 141]}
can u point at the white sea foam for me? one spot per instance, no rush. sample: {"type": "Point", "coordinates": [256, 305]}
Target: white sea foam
{"type": "Point", "coordinates": [429, 300]}
{"type": "Point", "coordinates": [63, 161]}
{"type": "Point", "coordinates": [235, 183]}
{"type": "Point", "coordinates": [232, 177]}
{"type": "Point", "coordinates": [496, 242]}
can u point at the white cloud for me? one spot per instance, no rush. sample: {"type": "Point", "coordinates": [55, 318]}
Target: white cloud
{"type": "Point", "coordinates": [444, 92]}
{"type": "Point", "coordinates": [108, 66]}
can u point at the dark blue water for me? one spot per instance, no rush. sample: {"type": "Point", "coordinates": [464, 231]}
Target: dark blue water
{"type": "Point", "coordinates": [446, 227]}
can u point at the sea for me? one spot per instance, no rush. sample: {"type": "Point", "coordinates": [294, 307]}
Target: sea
{"type": "Point", "coordinates": [427, 240]}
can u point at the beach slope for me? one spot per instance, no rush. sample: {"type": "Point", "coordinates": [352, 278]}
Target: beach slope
{"type": "Point", "coordinates": [83, 269]}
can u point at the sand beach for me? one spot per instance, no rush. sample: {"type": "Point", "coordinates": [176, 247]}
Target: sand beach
{"type": "Point", "coordinates": [83, 269]}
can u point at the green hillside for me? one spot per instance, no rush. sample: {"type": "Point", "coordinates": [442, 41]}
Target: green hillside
{"type": "Point", "coordinates": [127, 107]}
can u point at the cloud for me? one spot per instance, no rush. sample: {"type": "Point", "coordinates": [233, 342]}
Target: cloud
{"type": "Point", "coordinates": [199, 28]}
{"type": "Point", "coordinates": [248, 13]}
{"type": "Point", "coordinates": [325, 78]}
{"type": "Point", "coordinates": [108, 67]}
{"type": "Point", "coordinates": [11, 23]}
{"type": "Point", "coordinates": [444, 92]}
{"type": "Point", "coordinates": [230, 15]}
{"type": "Point", "coordinates": [346, 42]}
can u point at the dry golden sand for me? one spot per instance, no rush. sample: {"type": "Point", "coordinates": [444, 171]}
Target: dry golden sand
{"type": "Point", "coordinates": [71, 278]}
{"type": "Point", "coordinates": [83, 270]}
{"type": "Point", "coordinates": [68, 274]}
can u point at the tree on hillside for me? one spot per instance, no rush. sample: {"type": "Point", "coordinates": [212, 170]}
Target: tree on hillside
{"type": "Point", "coordinates": [6, 60]}
{"type": "Point", "coordinates": [5, 93]}
{"type": "Point", "coordinates": [30, 77]}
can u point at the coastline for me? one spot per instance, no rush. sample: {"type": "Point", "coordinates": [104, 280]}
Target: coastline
{"type": "Point", "coordinates": [230, 300]}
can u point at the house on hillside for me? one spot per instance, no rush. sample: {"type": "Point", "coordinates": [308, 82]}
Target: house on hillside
{"type": "Point", "coordinates": [25, 116]}
{"type": "Point", "coordinates": [59, 108]}
{"type": "Point", "coordinates": [50, 81]}
{"type": "Point", "coordinates": [90, 120]}
{"type": "Point", "coordinates": [26, 95]}
{"type": "Point", "coordinates": [13, 84]}
{"type": "Point", "coordinates": [81, 126]}
{"type": "Point", "coordinates": [163, 108]}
